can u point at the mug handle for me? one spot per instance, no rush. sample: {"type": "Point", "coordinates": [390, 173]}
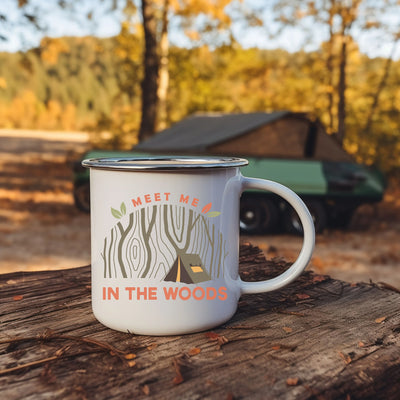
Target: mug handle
{"type": "Point", "coordinates": [308, 241]}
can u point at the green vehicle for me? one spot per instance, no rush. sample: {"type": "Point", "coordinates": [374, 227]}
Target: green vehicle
{"type": "Point", "coordinates": [289, 148]}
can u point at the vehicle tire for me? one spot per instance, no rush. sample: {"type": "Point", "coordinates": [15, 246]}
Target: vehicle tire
{"type": "Point", "coordinates": [342, 219]}
{"type": "Point", "coordinates": [318, 213]}
{"type": "Point", "coordinates": [257, 215]}
{"type": "Point", "coordinates": [82, 196]}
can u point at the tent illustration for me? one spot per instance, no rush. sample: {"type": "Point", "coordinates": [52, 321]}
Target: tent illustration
{"type": "Point", "coordinates": [187, 268]}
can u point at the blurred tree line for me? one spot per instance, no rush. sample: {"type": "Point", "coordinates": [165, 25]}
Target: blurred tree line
{"type": "Point", "coordinates": [127, 86]}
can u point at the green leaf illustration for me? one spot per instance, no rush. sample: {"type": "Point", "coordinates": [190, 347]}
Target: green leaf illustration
{"type": "Point", "coordinates": [123, 208]}
{"type": "Point", "coordinates": [213, 214]}
{"type": "Point", "coordinates": [116, 213]}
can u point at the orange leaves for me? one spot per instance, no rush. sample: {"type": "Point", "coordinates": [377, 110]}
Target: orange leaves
{"type": "Point", "coordinates": [213, 10]}
{"type": "Point", "coordinates": [18, 297]}
{"type": "Point", "coordinates": [22, 3]}
{"type": "Point", "coordinates": [51, 48]}
{"type": "Point", "coordinates": [287, 329]}
{"type": "Point", "coordinates": [292, 381]}
{"type": "Point", "coordinates": [345, 357]}
{"type": "Point", "coordinates": [192, 34]}
{"type": "Point", "coordinates": [212, 335]}
{"type": "Point", "coordinates": [318, 263]}
{"type": "Point", "coordinates": [319, 278]}
{"type": "Point", "coordinates": [178, 379]}
{"type": "Point", "coordinates": [302, 296]}
{"type": "Point", "coordinates": [211, 214]}
{"type": "Point", "coordinates": [206, 208]}
{"type": "Point", "coordinates": [380, 320]}
{"type": "Point", "coordinates": [145, 390]}
{"type": "Point", "coordinates": [194, 351]}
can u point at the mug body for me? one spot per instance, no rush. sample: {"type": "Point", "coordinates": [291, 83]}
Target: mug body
{"type": "Point", "coordinates": [165, 238]}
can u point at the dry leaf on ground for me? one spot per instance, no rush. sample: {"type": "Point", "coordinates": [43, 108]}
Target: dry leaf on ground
{"type": "Point", "coordinates": [194, 351]}
{"type": "Point", "coordinates": [346, 358]}
{"type": "Point", "coordinates": [221, 340]}
{"type": "Point", "coordinates": [178, 379]}
{"type": "Point", "coordinates": [146, 389]}
{"type": "Point", "coordinates": [319, 278]}
{"type": "Point", "coordinates": [212, 335]}
{"type": "Point", "coordinates": [302, 296]}
{"type": "Point", "coordinates": [292, 381]}
{"type": "Point", "coordinates": [317, 262]}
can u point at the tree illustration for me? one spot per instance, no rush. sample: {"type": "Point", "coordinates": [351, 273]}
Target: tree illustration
{"type": "Point", "coordinates": [146, 243]}
{"type": "Point", "coordinates": [146, 235]}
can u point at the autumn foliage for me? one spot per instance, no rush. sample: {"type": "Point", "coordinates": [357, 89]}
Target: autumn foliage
{"type": "Point", "coordinates": [90, 83]}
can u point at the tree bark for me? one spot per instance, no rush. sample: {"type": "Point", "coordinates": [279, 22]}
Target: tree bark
{"type": "Point", "coordinates": [163, 82]}
{"type": "Point", "coordinates": [381, 86]}
{"type": "Point", "coordinates": [146, 236]}
{"type": "Point", "coordinates": [329, 67]}
{"type": "Point", "coordinates": [342, 91]}
{"type": "Point", "coordinates": [151, 66]}
{"type": "Point", "coordinates": [360, 361]}
{"type": "Point", "coordinates": [166, 228]}
{"type": "Point", "coordinates": [348, 15]}
{"type": "Point", "coordinates": [124, 233]}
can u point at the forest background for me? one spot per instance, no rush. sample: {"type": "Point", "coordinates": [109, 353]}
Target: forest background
{"type": "Point", "coordinates": [99, 84]}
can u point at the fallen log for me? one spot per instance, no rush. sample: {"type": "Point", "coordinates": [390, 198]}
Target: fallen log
{"type": "Point", "coordinates": [316, 338]}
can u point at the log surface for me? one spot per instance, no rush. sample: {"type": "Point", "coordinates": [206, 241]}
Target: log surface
{"type": "Point", "coordinates": [318, 338]}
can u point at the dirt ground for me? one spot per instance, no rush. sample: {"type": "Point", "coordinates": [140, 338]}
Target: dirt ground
{"type": "Point", "coordinates": [40, 228]}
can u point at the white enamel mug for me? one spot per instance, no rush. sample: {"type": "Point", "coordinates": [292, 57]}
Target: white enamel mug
{"type": "Point", "coordinates": [165, 242]}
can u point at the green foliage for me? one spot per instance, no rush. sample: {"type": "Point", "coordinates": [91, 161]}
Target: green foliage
{"type": "Point", "coordinates": [116, 213]}
{"type": "Point", "coordinates": [119, 213]}
{"type": "Point", "coordinates": [81, 73]}
{"type": "Point", "coordinates": [213, 214]}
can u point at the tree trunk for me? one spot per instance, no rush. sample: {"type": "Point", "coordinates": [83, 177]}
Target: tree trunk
{"type": "Point", "coordinates": [163, 82]}
{"type": "Point", "coordinates": [146, 232]}
{"type": "Point", "coordinates": [349, 14]}
{"type": "Point", "coordinates": [54, 345]}
{"type": "Point", "coordinates": [381, 86]}
{"type": "Point", "coordinates": [150, 79]}
{"type": "Point", "coordinates": [124, 234]}
{"type": "Point", "coordinates": [342, 91]}
{"type": "Point", "coordinates": [329, 67]}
